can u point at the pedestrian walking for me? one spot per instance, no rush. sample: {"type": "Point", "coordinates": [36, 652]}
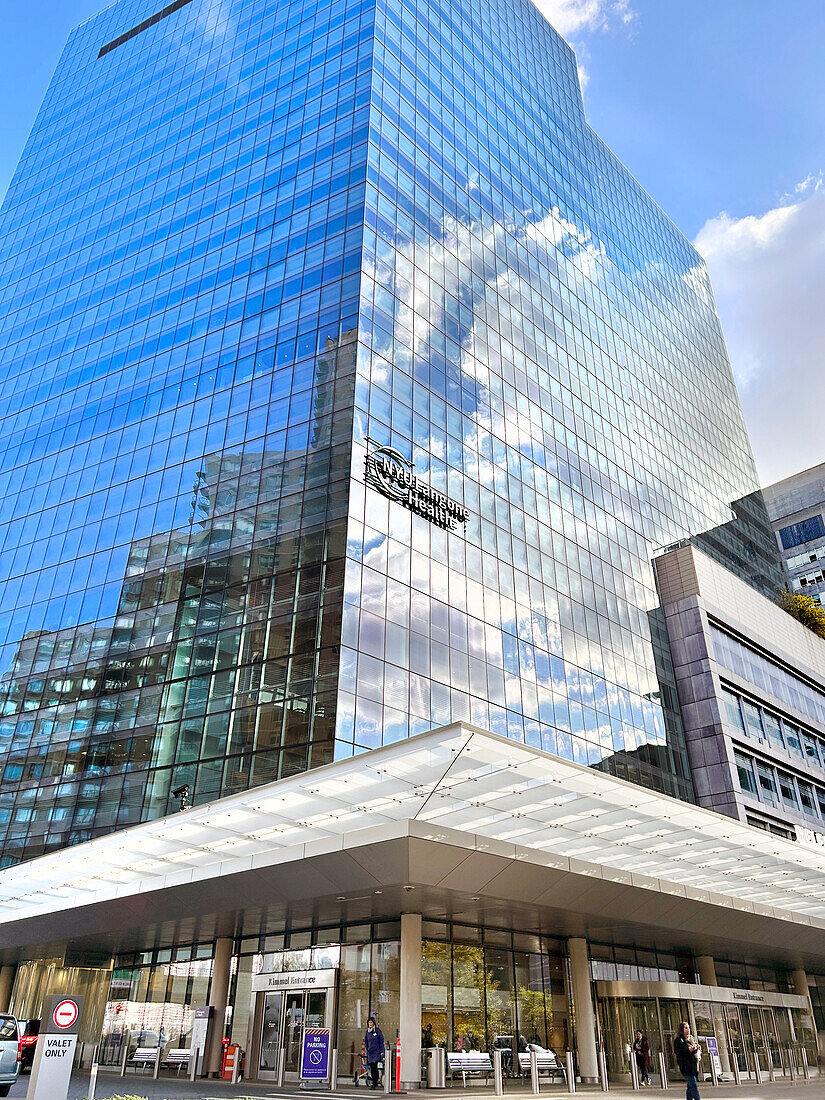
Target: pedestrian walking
{"type": "Point", "coordinates": [688, 1054]}
{"type": "Point", "coordinates": [374, 1046]}
{"type": "Point", "coordinates": [641, 1052]}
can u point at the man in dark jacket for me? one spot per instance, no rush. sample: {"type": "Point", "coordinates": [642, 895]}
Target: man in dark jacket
{"type": "Point", "coordinates": [374, 1049]}
{"type": "Point", "coordinates": [686, 1049]}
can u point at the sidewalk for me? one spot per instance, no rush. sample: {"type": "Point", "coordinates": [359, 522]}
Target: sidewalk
{"type": "Point", "coordinates": [112, 1084]}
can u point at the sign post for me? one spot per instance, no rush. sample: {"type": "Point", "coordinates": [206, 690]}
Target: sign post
{"type": "Point", "coordinates": [315, 1056]}
{"type": "Point", "coordinates": [713, 1053]}
{"type": "Point", "coordinates": [54, 1054]}
{"type": "Point", "coordinates": [197, 1043]}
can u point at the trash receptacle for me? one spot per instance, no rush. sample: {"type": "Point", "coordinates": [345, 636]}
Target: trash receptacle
{"type": "Point", "coordinates": [435, 1068]}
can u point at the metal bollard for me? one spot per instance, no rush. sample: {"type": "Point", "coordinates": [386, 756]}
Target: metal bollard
{"type": "Point", "coordinates": [236, 1068]}
{"type": "Point", "coordinates": [333, 1070]}
{"type": "Point", "coordinates": [534, 1072]}
{"type": "Point", "coordinates": [281, 1067]}
{"type": "Point", "coordinates": [93, 1075]}
{"type": "Point", "coordinates": [157, 1062]}
{"type": "Point", "coordinates": [571, 1072]}
{"type": "Point", "coordinates": [663, 1070]}
{"type": "Point", "coordinates": [757, 1069]}
{"type": "Point", "coordinates": [737, 1076]}
{"type": "Point", "coordinates": [791, 1069]}
{"type": "Point", "coordinates": [388, 1070]}
{"type": "Point", "coordinates": [805, 1067]}
{"type": "Point", "coordinates": [194, 1055]}
{"type": "Point", "coordinates": [498, 1076]}
{"type": "Point", "coordinates": [634, 1072]}
{"type": "Point", "coordinates": [603, 1070]}
{"type": "Point", "coordinates": [125, 1057]}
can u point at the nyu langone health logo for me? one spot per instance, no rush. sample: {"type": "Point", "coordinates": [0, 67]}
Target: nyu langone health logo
{"type": "Point", "coordinates": [393, 475]}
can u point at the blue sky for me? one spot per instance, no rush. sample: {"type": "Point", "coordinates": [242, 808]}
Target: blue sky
{"type": "Point", "coordinates": [716, 106]}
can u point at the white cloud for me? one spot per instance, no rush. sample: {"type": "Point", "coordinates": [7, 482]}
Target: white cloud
{"type": "Point", "coordinates": [768, 275]}
{"type": "Point", "coordinates": [572, 16]}
{"type": "Point", "coordinates": [580, 17]}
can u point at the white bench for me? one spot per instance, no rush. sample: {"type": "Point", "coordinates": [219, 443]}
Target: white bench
{"type": "Point", "coordinates": [547, 1063]}
{"type": "Point", "coordinates": [178, 1058]}
{"type": "Point", "coordinates": [143, 1056]}
{"type": "Point", "coordinates": [473, 1062]}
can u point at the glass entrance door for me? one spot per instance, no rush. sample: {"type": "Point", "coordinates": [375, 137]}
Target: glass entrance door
{"type": "Point", "coordinates": [769, 1026]}
{"type": "Point", "coordinates": [735, 1043]}
{"type": "Point", "coordinates": [758, 1043]}
{"type": "Point", "coordinates": [294, 1013]}
{"type": "Point", "coordinates": [271, 1034]}
{"type": "Point", "coordinates": [285, 1016]}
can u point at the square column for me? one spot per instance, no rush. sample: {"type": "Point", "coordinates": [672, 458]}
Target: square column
{"type": "Point", "coordinates": [409, 1014]}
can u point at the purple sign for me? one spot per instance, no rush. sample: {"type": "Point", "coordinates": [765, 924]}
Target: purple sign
{"type": "Point", "coordinates": [315, 1058]}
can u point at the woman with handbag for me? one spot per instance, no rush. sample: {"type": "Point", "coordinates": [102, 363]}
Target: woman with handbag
{"type": "Point", "coordinates": [688, 1053]}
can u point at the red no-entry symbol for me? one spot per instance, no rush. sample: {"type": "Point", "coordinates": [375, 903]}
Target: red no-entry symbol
{"type": "Point", "coordinates": [65, 1014]}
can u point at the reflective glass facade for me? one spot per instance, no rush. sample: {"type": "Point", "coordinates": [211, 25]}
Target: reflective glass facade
{"type": "Point", "coordinates": [242, 240]}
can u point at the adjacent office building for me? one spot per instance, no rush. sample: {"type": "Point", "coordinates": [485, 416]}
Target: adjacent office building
{"type": "Point", "coordinates": [796, 507]}
{"type": "Point", "coordinates": [350, 386]}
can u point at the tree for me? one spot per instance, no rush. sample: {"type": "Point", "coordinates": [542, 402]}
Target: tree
{"type": "Point", "coordinates": [805, 609]}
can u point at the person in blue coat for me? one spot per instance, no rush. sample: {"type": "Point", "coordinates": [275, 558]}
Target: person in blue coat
{"type": "Point", "coordinates": [374, 1049]}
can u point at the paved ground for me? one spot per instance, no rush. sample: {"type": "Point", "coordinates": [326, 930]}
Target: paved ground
{"type": "Point", "coordinates": [112, 1085]}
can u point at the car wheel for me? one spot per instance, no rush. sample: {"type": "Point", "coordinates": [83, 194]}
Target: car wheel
{"type": "Point", "coordinates": [5, 1090]}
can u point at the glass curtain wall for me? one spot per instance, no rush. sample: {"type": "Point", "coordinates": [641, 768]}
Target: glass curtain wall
{"type": "Point", "coordinates": [153, 1004]}
{"type": "Point", "coordinates": [775, 1036]}
{"type": "Point", "coordinates": [37, 980]}
{"type": "Point", "coordinates": [482, 998]}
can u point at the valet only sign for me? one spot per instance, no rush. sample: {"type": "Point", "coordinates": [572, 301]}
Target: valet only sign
{"type": "Point", "coordinates": [54, 1054]}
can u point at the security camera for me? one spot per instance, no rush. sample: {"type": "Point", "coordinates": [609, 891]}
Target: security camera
{"type": "Point", "coordinates": [182, 795]}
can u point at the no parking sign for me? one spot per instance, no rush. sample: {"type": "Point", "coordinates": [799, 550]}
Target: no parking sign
{"type": "Point", "coordinates": [315, 1059]}
{"type": "Point", "coordinates": [54, 1053]}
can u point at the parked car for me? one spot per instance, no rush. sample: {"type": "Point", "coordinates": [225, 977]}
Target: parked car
{"type": "Point", "coordinates": [9, 1053]}
{"type": "Point", "coordinates": [28, 1041]}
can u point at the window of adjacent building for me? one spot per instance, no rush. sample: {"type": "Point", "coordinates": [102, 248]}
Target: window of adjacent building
{"type": "Point", "coordinates": [798, 560]}
{"type": "Point", "coordinates": [804, 531]}
{"type": "Point", "coordinates": [811, 751]}
{"type": "Point", "coordinates": [747, 780]}
{"type": "Point", "coordinates": [792, 740]}
{"type": "Point", "coordinates": [732, 711]}
{"type": "Point", "coordinates": [806, 798]}
{"type": "Point", "coordinates": [787, 790]}
{"type": "Point", "coordinates": [807, 579]}
{"type": "Point", "coordinates": [773, 730]}
{"type": "Point", "coordinates": [753, 721]}
{"type": "Point", "coordinates": [768, 675]}
{"type": "Point", "coordinates": [767, 784]}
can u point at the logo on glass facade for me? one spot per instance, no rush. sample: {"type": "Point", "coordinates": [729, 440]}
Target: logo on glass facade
{"type": "Point", "coordinates": [393, 475]}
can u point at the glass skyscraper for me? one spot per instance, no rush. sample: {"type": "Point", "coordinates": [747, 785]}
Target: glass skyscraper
{"type": "Point", "coordinates": [349, 383]}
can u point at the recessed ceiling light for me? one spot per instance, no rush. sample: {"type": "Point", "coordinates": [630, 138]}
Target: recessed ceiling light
{"type": "Point", "coordinates": [341, 898]}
